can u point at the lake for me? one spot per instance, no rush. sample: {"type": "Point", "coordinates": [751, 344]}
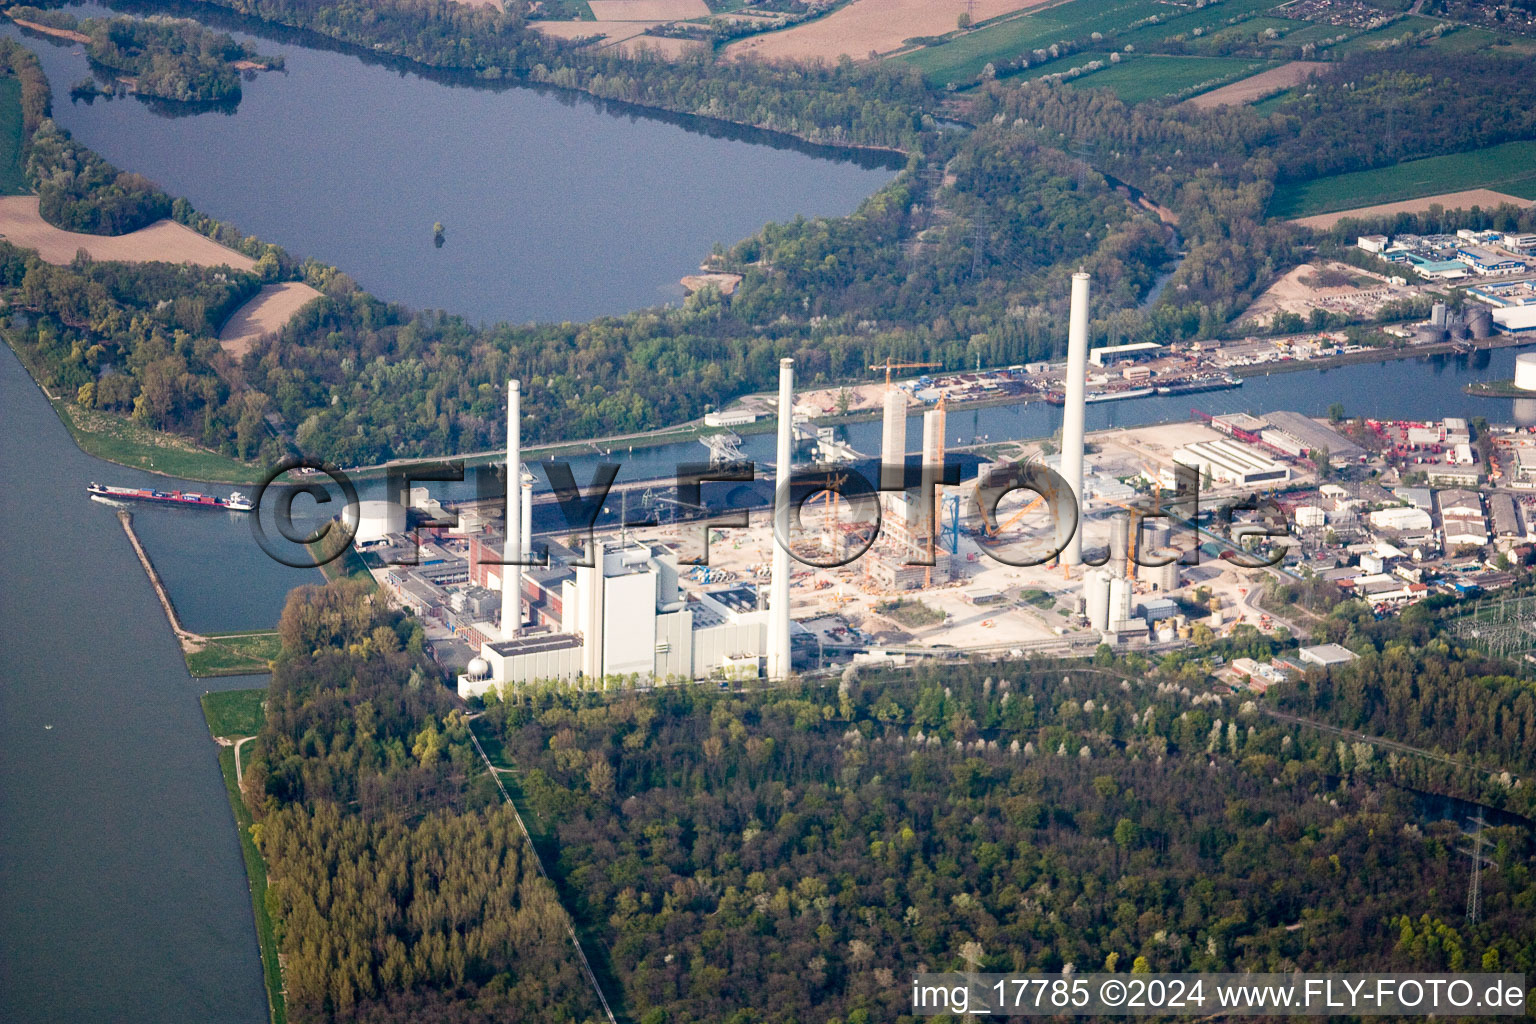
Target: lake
{"type": "Point", "coordinates": [556, 206]}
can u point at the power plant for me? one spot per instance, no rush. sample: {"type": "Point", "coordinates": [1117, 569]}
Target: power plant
{"type": "Point", "coordinates": [626, 608]}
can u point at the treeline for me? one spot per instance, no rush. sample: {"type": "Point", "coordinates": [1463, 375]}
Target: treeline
{"type": "Point", "coordinates": [789, 856]}
{"type": "Point", "coordinates": [170, 58]}
{"type": "Point", "coordinates": [400, 886]}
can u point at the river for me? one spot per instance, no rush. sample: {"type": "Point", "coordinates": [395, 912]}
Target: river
{"type": "Point", "coordinates": [556, 206]}
{"type": "Point", "coordinates": [122, 892]}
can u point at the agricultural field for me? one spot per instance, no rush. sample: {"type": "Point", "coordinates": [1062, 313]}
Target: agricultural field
{"type": "Point", "coordinates": [1150, 78]}
{"type": "Point", "coordinates": [1281, 79]}
{"type": "Point", "coordinates": [866, 28]}
{"type": "Point", "coordinates": [1120, 23]}
{"type": "Point", "coordinates": [12, 179]}
{"type": "Point", "coordinates": [961, 59]}
{"type": "Point", "coordinates": [1467, 39]}
{"type": "Point", "coordinates": [1508, 168]}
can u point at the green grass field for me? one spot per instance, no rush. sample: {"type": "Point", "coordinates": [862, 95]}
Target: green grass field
{"type": "Point", "coordinates": [1509, 168]}
{"type": "Point", "coordinates": [235, 654]}
{"type": "Point", "coordinates": [961, 59]}
{"type": "Point", "coordinates": [234, 713]}
{"type": "Point", "coordinates": [238, 712]}
{"type": "Point", "coordinates": [1467, 39]}
{"type": "Point", "coordinates": [1148, 78]}
{"type": "Point", "coordinates": [13, 180]}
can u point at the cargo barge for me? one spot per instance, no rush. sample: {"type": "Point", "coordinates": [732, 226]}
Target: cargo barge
{"type": "Point", "coordinates": [236, 502]}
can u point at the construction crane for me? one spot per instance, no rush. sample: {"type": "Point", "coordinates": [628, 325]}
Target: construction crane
{"type": "Point", "coordinates": [888, 366]}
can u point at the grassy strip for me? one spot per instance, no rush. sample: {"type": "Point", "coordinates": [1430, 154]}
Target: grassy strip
{"type": "Point", "coordinates": [120, 440]}
{"type": "Point", "coordinates": [222, 710]}
{"type": "Point", "coordinates": [234, 654]}
{"type": "Point", "coordinates": [1509, 167]}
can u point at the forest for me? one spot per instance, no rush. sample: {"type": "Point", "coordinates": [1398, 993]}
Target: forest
{"type": "Point", "coordinates": [401, 888]}
{"type": "Point", "coordinates": [791, 854]}
{"type": "Point", "coordinates": [169, 58]}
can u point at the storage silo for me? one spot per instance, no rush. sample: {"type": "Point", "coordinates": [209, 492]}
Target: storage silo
{"type": "Point", "coordinates": [1120, 596]}
{"type": "Point", "coordinates": [1096, 598]}
{"type": "Point", "coordinates": [1481, 324]}
{"type": "Point", "coordinates": [1162, 577]}
{"type": "Point", "coordinates": [1525, 371]}
{"type": "Point", "coordinates": [1437, 314]}
{"type": "Point", "coordinates": [1119, 544]}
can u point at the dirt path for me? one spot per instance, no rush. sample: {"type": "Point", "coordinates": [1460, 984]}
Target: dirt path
{"type": "Point", "coordinates": [239, 773]}
{"type": "Point", "coordinates": [868, 26]}
{"type": "Point", "coordinates": [164, 240]}
{"type": "Point", "coordinates": [264, 314]}
{"type": "Point", "coordinates": [1487, 198]}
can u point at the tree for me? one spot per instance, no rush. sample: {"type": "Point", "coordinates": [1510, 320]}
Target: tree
{"type": "Point", "coordinates": [964, 21]}
{"type": "Point", "coordinates": [1335, 412]}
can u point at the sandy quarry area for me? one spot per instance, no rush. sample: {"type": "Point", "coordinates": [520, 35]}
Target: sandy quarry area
{"type": "Point", "coordinates": [164, 240]}
{"type": "Point", "coordinates": [1256, 87]}
{"type": "Point", "coordinates": [868, 26]}
{"type": "Point", "coordinates": [1484, 197]}
{"type": "Point", "coordinates": [1293, 294]}
{"type": "Point", "coordinates": [265, 313]}
{"type": "Point", "coordinates": [648, 10]}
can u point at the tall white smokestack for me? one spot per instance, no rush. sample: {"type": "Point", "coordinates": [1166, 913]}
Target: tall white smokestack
{"type": "Point", "coordinates": [1072, 418]}
{"type": "Point", "coordinates": [512, 575]}
{"type": "Point", "coordinates": [778, 594]}
{"type": "Point", "coordinates": [893, 440]}
{"type": "Point", "coordinates": [527, 519]}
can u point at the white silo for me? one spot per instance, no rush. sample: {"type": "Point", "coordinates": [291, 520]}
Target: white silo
{"type": "Point", "coordinates": [1162, 577]}
{"type": "Point", "coordinates": [1525, 371]}
{"type": "Point", "coordinates": [1096, 598]}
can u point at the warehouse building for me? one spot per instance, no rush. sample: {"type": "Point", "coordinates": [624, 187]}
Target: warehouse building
{"type": "Point", "coordinates": [1227, 462]}
{"type": "Point", "coordinates": [1487, 262]}
{"type": "Point", "coordinates": [1297, 435]}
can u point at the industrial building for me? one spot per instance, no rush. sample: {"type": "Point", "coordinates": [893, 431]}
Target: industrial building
{"type": "Point", "coordinates": [623, 613]}
{"type": "Point", "coordinates": [1487, 262]}
{"type": "Point", "coordinates": [1516, 320]}
{"type": "Point", "coordinates": [1230, 463]}
{"type": "Point", "coordinates": [1109, 355]}
{"type": "Point", "coordinates": [1298, 435]}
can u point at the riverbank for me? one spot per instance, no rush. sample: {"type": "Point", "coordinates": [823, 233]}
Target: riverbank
{"type": "Point", "coordinates": [233, 715]}
{"type": "Point", "coordinates": [1379, 356]}
{"type": "Point", "coordinates": [1496, 389]}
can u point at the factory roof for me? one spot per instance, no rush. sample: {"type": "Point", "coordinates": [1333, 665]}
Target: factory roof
{"type": "Point", "coordinates": [1327, 654]}
{"type": "Point", "coordinates": [1314, 435]}
{"type": "Point", "coordinates": [537, 643]}
{"type": "Point", "coordinates": [1516, 318]}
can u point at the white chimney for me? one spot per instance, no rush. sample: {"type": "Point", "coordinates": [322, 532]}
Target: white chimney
{"type": "Point", "coordinates": [512, 575]}
{"type": "Point", "coordinates": [893, 440]}
{"type": "Point", "coordinates": [527, 515]}
{"type": "Point", "coordinates": [1072, 417]}
{"type": "Point", "coordinates": [778, 597]}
